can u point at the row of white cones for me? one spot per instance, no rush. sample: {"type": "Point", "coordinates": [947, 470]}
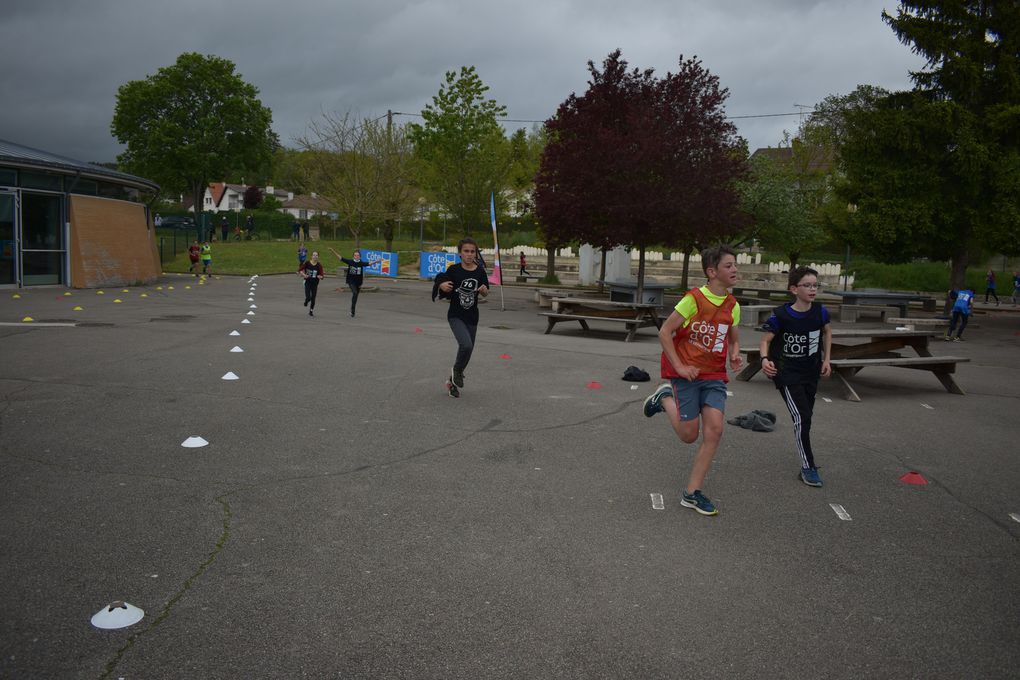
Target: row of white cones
{"type": "Point", "coordinates": [121, 614]}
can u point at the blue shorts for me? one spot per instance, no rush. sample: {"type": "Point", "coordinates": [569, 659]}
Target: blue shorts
{"type": "Point", "coordinates": [692, 396]}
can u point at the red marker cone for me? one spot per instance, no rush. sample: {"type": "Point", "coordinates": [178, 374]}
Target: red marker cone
{"type": "Point", "coordinates": [594, 385]}
{"type": "Point", "coordinates": [914, 478]}
{"type": "Point", "coordinates": [417, 329]}
{"type": "Point", "coordinates": [504, 356]}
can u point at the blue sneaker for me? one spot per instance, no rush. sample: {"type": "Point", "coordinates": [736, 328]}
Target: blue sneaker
{"type": "Point", "coordinates": [653, 404]}
{"type": "Point", "coordinates": [810, 477]}
{"type": "Point", "coordinates": [697, 501]}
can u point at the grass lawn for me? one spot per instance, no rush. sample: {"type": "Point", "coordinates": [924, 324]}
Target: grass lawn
{"type": "Point", "coordinates": [277, 257]}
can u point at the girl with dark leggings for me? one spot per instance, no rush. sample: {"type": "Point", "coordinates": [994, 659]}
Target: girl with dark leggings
{"type": "Point", "coordinates": [355, 275]}
{"type": "Point", "coordinates": [462, 284]}
{"type": "Point", "coordinates": [312, 272]}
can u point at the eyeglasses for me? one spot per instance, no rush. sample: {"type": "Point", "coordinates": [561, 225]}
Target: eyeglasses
{"type": "Point", "coordinates": [809, 286]}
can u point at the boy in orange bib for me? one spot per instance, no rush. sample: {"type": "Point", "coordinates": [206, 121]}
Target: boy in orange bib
{"type": "Point", "coordinates": [697, 339]}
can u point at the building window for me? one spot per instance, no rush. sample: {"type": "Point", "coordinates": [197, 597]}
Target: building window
{"type": "Point", "coordinates": [8, 177]}
{"type": "Point", "coordinates": [42, 180]}
{"type": "Point", "coordinates": [87, 187]}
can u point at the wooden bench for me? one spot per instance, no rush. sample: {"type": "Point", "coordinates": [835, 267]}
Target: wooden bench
{"type": "Point", "coordinates": [849, 313]}
{"type": "Point", "coordinates": [942, 367]}
{"type": "Point", "coordinates": [755, 315]}
{"type": "Point", "coordinates": [630, 322]}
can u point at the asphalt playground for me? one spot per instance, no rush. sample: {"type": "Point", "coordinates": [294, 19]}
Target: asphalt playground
{"type": "Point", "coordinates": [347, 519]}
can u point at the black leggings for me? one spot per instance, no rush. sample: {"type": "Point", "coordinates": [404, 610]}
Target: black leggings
{"type": "Point", "coordinates": [991, 291]}
{"type": "Point", "coordinates": [311, 288]}
{"type": "Point", "coordinates": [465, 335]}
{"type": "Point", "coordinates": [800, 399]}
{"type": "Point", "coordinates": [355, 290]}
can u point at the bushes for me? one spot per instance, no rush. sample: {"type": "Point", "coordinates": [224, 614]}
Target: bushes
{"type": "Point", "coordinates": [921, 276]}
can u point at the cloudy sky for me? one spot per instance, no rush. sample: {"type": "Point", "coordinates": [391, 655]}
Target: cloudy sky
{"type": "Point", "coordinates": [65, 59]}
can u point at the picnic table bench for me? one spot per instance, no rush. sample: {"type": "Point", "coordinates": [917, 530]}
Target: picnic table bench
{"type": "Point", "coordinates": [878, 349]}
{"type": "Point", "coordinates": [927, 323]}
{"type": "Point", "coordinates": [544, 296]}
{"type": "Point", "coordinates": [899, 300]}
{"type": "Point", "coordinates": [850, 313]}
{"type": "Point", "coordinates": [755, 315]}
{"type": "Point", "coordinates": [626, 291]}
{"type": "Point", "coordinates": [633, 315]}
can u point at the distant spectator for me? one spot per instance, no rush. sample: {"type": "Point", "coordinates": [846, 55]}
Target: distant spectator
{"type": "Point", "coordinates": [1016, 286]}
{"type": "Point", "coordinates": [304, 227]}
{"type": "Point", "coordinates": [990, 286]}
{"type": "Point", "coordinates": [224, 228]}
{"type": "Point", "coordinates": [295, 230]}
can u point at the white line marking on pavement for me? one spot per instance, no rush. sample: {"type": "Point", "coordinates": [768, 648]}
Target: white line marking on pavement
{"type": "Point", "coordinates": [657, 502]}
{"type": "Point", "coordinates": [1015, 516]}
{"type": "Point", "coordinates": [930, 408]}
{"type": "Point", "coordinates": [827, 400]}
{"type": "Point", "coordinates": [840, 512]}
{"type": "Point", "coordinates": [728, 393]}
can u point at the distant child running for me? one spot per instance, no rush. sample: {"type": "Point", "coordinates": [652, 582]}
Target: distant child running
{"type": "Point", "coordinates": [302, 255]}
{"type": "Point", "coordinates": [462, 284]}
{"type": "Point", "coordinates": [961, 313]}
{"type": "Point", "coordinates": [1016, 286]}
{"type": "Point", "coordinates": [990, 286]}
{"type": "Point", "coordinates": [193, 252]}
{"type": "Point", "coordinates": [206, 257]}
{"type": "Point", "coordinates": [312, 272]}
{"type": "Point", "coordinates": [355, 276]}
{"type": "Point", "coordinates": [524, 265]}
{"type": "Point", "coordinates": [795, 351]}
{"type": "Point", "coordinates": [696, 340]}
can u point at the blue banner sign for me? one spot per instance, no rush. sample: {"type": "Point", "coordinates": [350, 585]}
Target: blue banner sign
{"type": "Point", "coordinates": [386, 266]}
{"type": "Point", "coordinates": [431, 264]}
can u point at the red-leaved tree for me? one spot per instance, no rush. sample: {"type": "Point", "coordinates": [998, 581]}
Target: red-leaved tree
{"type": "Point", "coordinates": [639, 160]}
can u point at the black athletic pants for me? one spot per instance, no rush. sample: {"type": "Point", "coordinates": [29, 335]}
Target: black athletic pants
{"type": "Point", "coordinates": [465, 335]}
{"type": "Point", "coordinates": [962, 318]}
{"type": "Point", "coordinates": [355, 290]}
{"type": "Point", "coordinates": [311, 288]}
{"type": "Point", "coordinates": [800, 399]}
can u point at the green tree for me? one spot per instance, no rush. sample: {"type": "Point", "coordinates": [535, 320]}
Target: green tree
{"type": "Point", "coordinates": [364, 167]}
{"type": "Point", "coordinates": [934, 171]}
{"type": "Point", "coordinates": [190, 123]}
{"type": "Point", "coordinates": [463, 148]}
{"type": "Point", "coordinates": [785, 194]}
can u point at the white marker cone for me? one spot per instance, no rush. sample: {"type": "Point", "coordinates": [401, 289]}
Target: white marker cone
{"type": "Point", "coordinates": [117, 615]}
{"type": "Point", "coordinates": [246, 321]}
{"type": "Point", "coordinates": [233, 333]}
{"type": "Point", "coordinates": [235, 348]}
{"type": "Point", "coordinates": [251, 299]}
{"type": "Point", "coordinates": [194, 443]}
{"type": "Point", "coordinates": [250, 313]}
{"type": "Point", "coordinates": [230, 375]}
{"type": "Point", "coordinates": [253, 307]}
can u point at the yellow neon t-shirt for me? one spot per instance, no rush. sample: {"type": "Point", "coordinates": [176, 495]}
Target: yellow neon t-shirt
{"type": "Point", "coordinates": [687, 307]}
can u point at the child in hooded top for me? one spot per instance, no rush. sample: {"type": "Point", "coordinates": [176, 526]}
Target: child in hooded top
{"type": "Point", "coordinates": [795, 350]}
{"type": "Point", "coordinates": [697, 339]}
{"type": "Point", "coordinates": [312, 272]}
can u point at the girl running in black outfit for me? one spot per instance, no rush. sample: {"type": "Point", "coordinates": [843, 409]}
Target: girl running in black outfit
{"type": "Point", "coordinates": [355, 275]}
{"type": "Point", "coordinates": [312, 272]}
{"type": "Point", "coordinates": [462, 284]}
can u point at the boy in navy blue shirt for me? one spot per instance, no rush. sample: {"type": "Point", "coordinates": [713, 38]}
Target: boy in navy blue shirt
{"type": "Point", "coordinates": [795, 351]}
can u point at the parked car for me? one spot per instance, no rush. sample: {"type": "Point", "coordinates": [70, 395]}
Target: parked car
{"type": "Point", "coordinates": [177, 222]}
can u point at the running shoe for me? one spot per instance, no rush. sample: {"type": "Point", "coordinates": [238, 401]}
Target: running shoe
{"type": "Point", "coordinates": [458, 377]}
{"type": "Point", "coordinates": [653, 404]}
{"type": "Point", "coordinates": [451, 389]}
{"type": "Point", "coordinates": [958, 339]}
{"type": "Point", "coordinates": [698, 501]}
{"type": "Point", "coordinates": [810, 477]}
{"type": "Point", "coordinates": [311, 313]}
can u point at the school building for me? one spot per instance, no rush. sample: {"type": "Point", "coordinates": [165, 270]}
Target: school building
{"type": "Point", "coordinates": [68, 223]}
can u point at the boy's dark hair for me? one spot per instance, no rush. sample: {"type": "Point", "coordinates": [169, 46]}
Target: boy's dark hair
{"type": "Point", "coordinates": [465, 241]}
{"type": "Point", "coordinates": [799, 273]}
{"type": "Point", "coordinates": [710, 257]}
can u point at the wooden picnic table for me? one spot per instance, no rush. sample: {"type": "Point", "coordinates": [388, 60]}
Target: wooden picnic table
{"type": "Point", "coordinates": [899, 300]}
{"type": "Point", "coordinates": [625, 291]}
{"type": "Point", "coordinates": [879, 348]}
{"type": "Point", "coordinates": [633, 315]}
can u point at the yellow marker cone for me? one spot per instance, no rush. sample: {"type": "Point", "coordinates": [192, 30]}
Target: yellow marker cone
{"type": "Point", "coordinates": [159, 287]}
{"type": "Point", "coordinates": [99, 292]}
{"type": "Point", "coordinates": [15, 297]}
{"type": "Point", "coordinates": [187, 288]}
{"type": "Point", "coordinates": [67, 294]}
{"type": "Point", "coordinates": [125, 290]}
{"type": "Point", "coordinates": [28, 318]}
{"type": "Point", "coordinates": [144, 295]}
{"type": "Point", "coordinates": [77, 309]}
{"type": "Point", "coordinates": [118, 300]}
{"type": "Point", "coordinates": [169, 287]}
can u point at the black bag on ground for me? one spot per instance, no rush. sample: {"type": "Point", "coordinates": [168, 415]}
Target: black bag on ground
{"type": "Point", "coordinates": [635, 374]}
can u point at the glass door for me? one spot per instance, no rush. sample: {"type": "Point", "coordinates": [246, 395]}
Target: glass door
{"type": "Point", "coordinates": [8, 242]}
{"type": "Point", "coordinates": [42, 239]}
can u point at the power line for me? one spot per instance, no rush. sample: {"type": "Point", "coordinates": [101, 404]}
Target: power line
{"type": "Point", "coordinates": [528, 120]}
